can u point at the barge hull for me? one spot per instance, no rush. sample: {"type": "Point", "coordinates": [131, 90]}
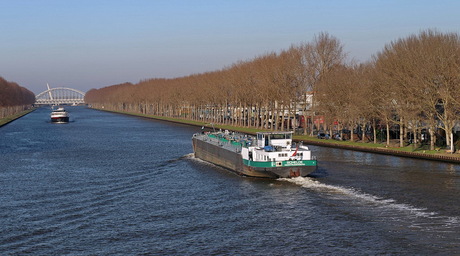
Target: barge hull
{"type": "Point", "coordinates": [217, 155]}
{"type": "Point", "coordinates": [233, 161]}
{"type": "Point", "coordinates": [282, 172]}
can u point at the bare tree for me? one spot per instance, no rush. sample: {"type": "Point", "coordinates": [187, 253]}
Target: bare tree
{"type": "Point", "coordinates": [320, 57]}
{"type": "Point", "coordinates": [424, 70]}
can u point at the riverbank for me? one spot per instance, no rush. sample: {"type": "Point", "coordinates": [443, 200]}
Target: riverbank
{"type": "Point", "coordinates": [9, 119]}
{"type": "Point", "coordinates": [419, 153]}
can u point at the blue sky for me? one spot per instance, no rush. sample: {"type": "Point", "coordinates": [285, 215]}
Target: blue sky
{"type": "Point", "coordinates": [86, 44]}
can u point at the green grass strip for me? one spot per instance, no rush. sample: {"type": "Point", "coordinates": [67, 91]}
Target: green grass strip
{"type": "Point", "coordinates": [8, 119]}
{"type": "Point", "coordinates": [360, 146]}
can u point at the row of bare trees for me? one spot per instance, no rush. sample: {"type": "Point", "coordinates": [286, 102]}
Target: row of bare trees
{"type": "Point", "coordinates": [413, 84]}
{"type": "Point", "coordinates": [14, 98]}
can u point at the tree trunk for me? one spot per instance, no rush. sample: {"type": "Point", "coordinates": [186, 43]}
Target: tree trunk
{"type": "Point", "coordinates": [352, 132]}
{"type": "Point", "coordinates": [282, 118]}
{"type": "Point", "coordinates": [257, 117]}
{"type": "Point", "coordinates": [374, 130]}
{"type": "Point", "coordinates": [401, 133]}
{"type": "Point", "coordinates": [305, 124]}
{"type": "Point", "coordinates": [432, 138]}
{"type": "Point", "coordinates": [276, 119]}
{"type": "Point", "coordinates": [448, 130]}
{"type": "Point", "coordinates": [388, 134]}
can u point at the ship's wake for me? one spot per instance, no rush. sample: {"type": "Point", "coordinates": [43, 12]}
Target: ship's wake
{"type": "Point", "coordinates": [187, 156]}
{"type": "Point", "coordinates": [192, 157]}
{"type": "Point", "coordinates": [384, 207]}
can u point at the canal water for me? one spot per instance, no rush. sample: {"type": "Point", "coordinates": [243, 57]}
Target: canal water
{"type": "Point", "coordinates": [110, 184]}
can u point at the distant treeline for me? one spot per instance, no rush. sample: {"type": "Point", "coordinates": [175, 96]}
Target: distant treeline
{"type": "Point", "coordinates": [11, 94]}
{"type": "Point", "coordinates": [14, 98]}
{"type": "Point", "coordinates": [412, 87]}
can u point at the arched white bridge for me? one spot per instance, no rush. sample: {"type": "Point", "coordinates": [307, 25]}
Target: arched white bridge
{"type": "Point", "coordinates": [60, 96]}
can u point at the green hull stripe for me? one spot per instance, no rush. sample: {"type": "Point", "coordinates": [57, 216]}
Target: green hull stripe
{"type": "Point", "coordinates": [280, 163]}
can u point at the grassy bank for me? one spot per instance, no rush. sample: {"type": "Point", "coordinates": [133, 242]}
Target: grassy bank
{"type": "Point", "coordinates": [408, 151]}
{"type": "Point", "coordinates": [8, 119]}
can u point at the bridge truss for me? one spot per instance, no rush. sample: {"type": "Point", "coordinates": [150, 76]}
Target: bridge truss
{"type": "Point", "coordinates": [60, 96]}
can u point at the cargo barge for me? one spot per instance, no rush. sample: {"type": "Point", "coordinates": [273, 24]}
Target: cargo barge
{"type": "Point", "coordinates": [266, 155]}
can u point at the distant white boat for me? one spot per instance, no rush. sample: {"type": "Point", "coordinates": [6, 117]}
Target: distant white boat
{"type": "Point", "coordinates": [59, 115]}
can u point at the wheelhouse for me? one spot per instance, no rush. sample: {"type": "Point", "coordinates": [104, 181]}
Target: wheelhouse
{"type": "Point", "coordinates": [274, 139]}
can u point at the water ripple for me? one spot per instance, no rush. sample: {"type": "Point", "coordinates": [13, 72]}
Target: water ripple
{"type": "Point", "coordinates": [110, 184]}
